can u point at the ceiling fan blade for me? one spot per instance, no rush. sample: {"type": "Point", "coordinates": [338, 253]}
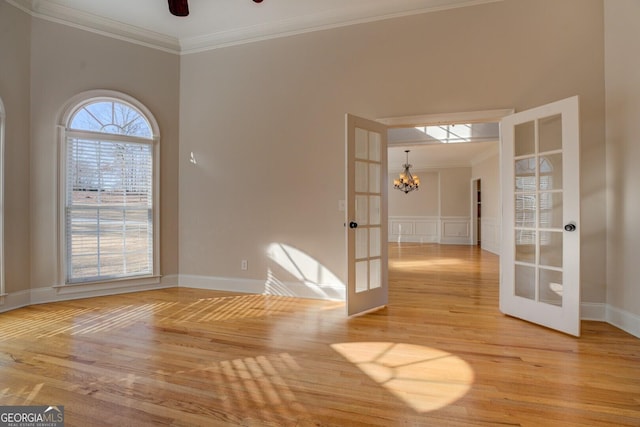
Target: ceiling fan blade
{"type": "Point", "coordinates": [179, 7]}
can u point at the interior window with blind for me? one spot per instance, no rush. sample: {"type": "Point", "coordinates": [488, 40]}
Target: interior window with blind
{"type": "Point", "coordinates": [109, 194]}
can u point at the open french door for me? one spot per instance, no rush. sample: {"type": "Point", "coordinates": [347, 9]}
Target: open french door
{"type": "Point", "coordinates": [366, 215]}
{"type": "Point", "coordinates": [540, 255]}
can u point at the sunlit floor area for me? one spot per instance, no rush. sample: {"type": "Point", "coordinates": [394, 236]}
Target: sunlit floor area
{"type": "Point", "coordinates": [441, 354]}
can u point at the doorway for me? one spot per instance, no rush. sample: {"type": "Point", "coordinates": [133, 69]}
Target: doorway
{"type": "Point", "coordinates": [451, 153]}
{"type": "Point", "coordinates": [476, 212]}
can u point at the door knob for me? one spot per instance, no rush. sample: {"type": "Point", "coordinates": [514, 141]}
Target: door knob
{"type": "Point", "coordinates": [353, 224]}
{"type": "Point", "coordinates": [570, 227]}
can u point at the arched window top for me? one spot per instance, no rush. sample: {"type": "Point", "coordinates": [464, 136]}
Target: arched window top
{"type": "Point", "coordinates": [110, 112]}
{"type": "Point", "coordinates": [111, 116]}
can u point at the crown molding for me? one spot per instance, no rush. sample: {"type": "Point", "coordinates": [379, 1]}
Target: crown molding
{"type": "Point", "coordinates": [96, 24]}
{"type": "Point", "coordinates": [311, 23]}
{"type": "Point", "coordinates": [276, 29]}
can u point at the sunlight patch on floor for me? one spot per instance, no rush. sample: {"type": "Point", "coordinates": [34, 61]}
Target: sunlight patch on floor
{"type": "Point", "coordinates": [424, 263]}
{"type": "Point", "coordinates": [424, 378]}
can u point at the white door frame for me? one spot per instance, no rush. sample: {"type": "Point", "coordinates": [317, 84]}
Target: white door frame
{"type": "Point", "coordinates": [475, 227]}
{"type": "Point", "coordinates": [484, 116]}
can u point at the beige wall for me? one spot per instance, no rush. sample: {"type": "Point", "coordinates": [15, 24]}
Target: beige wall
{"type": "Point", "coordinates": [14, 90]}
{"type": "Point", "coordinates": [64, 62]}
{"type": "Point", "coordinates": [266, 123]}
{"type": "Point", "coordinates": [266, 120]}
{"type": "Point", "coordinates": [423, 202]}
{"type": "Point", "coordinates": [488, 171]}
{"type": "Point", "coordinates": [623, 156]}
{"type": "Point", "coordinates": [455, 192]}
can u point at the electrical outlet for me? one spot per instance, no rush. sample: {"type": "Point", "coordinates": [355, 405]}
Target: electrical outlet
{"type": "Point", "coordinates": [244, 264]}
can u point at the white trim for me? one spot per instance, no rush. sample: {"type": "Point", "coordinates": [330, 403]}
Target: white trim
{"type": "Point", "coordinates": [68, 111]}
{"type": "Point", "coordinates": [618, 318]}
{"type": "Point", "coordinates": [270, 30]}
{"type": "Point", "coordinates": [446, 230]}
{"type": "Point", "coordinates": [74, 18]}
{"type": "Point", "coordinates": [624, 320]}
{"type": "Point", "coordinates": [484, 116]}
{"type": "Point", "coordinates": [455, 230]}
{"type": "Point", "coordinates": [82, 98]}
{"type": "Point", "coordinates": [414, 229]}
{"type": "Point", "coordinates": [490, 234]}
{"type": "Point", "coordinates": [43, 295]}
{"type": "Point", "coordinates": [71, 292]}
{"type": "Point", "coordinates": [331, 292]}
{"type": "Point", "coordinates": [16, 300]}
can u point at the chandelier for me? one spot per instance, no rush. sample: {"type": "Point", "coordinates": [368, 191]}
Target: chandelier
{"type": "Point", "coordinates": [406, 182]}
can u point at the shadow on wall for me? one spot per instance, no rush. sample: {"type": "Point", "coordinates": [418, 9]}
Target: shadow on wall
{"type": "Point", "coordinates": [311, 279]}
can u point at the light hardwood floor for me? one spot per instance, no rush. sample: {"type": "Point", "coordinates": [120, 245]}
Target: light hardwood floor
{"type": "Point", "coordinates": [440, 354]}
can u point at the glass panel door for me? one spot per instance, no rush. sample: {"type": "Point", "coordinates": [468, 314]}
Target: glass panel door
{"type": "Point", "coordinates": [540, 263]}
{"type": "Point", "coordinates": [366, 215]}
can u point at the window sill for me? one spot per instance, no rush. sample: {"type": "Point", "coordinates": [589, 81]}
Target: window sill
{"type": "Point", "coordinates": [113, 284]}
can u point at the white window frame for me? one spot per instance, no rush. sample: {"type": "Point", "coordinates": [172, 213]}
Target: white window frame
{"type": "Point", "coordinates": [72, 106]}
{"type": "Point", "coordinates": [2, 124]}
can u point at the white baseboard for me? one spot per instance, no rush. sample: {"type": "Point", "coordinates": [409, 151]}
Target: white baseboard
{"type": "Point", "coordinates": [621, 319]}
{"type": "Point", "coordinates": [624, 320]}
{"type": "Point", "coordinates": [15, 300]}
{"type": "Point", "coordinates": [272, 286]}
{"type": "Point", "coordinates": [48, 294]}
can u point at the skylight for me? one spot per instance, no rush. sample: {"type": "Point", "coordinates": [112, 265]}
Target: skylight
{"type": "Point", "coordinates": [445, 134]}
{"type": "Point", "coordinates": [448, 134]}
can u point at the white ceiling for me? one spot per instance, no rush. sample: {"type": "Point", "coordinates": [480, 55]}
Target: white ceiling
{"type": "Point", "coordinates": [218, 23]}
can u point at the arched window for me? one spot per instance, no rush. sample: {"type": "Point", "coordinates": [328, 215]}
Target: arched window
{"type": "Point", "coordinates": [109, 164]}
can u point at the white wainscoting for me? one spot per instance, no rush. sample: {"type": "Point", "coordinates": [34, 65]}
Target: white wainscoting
{"type": "Point", "coordinates": [456, 230]}
{"type": "Point", "coordinates": [452, 230]}
{"type": "Point", "coordinates": [490, 235]}
{"type": "Point", "coordinates": [414, 229]}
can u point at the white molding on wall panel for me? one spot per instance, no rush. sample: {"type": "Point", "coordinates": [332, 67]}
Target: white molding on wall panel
{"type": "Point", "coordinates": [414, 229]}
{"type": "Point", "coordinates": [490, 235]}
{"type": "Point", "coordinates": [332, 292]}
{"type": "Point", "coordinates": [450, 230]}
{"type": "Point", "coordinates": [455, 230]}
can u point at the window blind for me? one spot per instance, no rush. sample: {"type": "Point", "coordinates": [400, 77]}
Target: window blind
{"type": "Point", "coordinates": [109, 209]}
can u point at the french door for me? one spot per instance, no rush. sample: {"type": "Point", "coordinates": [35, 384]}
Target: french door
{"type": "Point", "coordinates": [366, 214]}
{"type": "Point", "coordinates": [540, 259]}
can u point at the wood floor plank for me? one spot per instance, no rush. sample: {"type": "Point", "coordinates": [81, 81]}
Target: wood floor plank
{"type": "Point", "coordinates": [440, 354]}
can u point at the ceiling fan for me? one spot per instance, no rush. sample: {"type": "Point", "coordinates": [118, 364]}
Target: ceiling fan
{"type": "Point", "coordinates": [181, 7]}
